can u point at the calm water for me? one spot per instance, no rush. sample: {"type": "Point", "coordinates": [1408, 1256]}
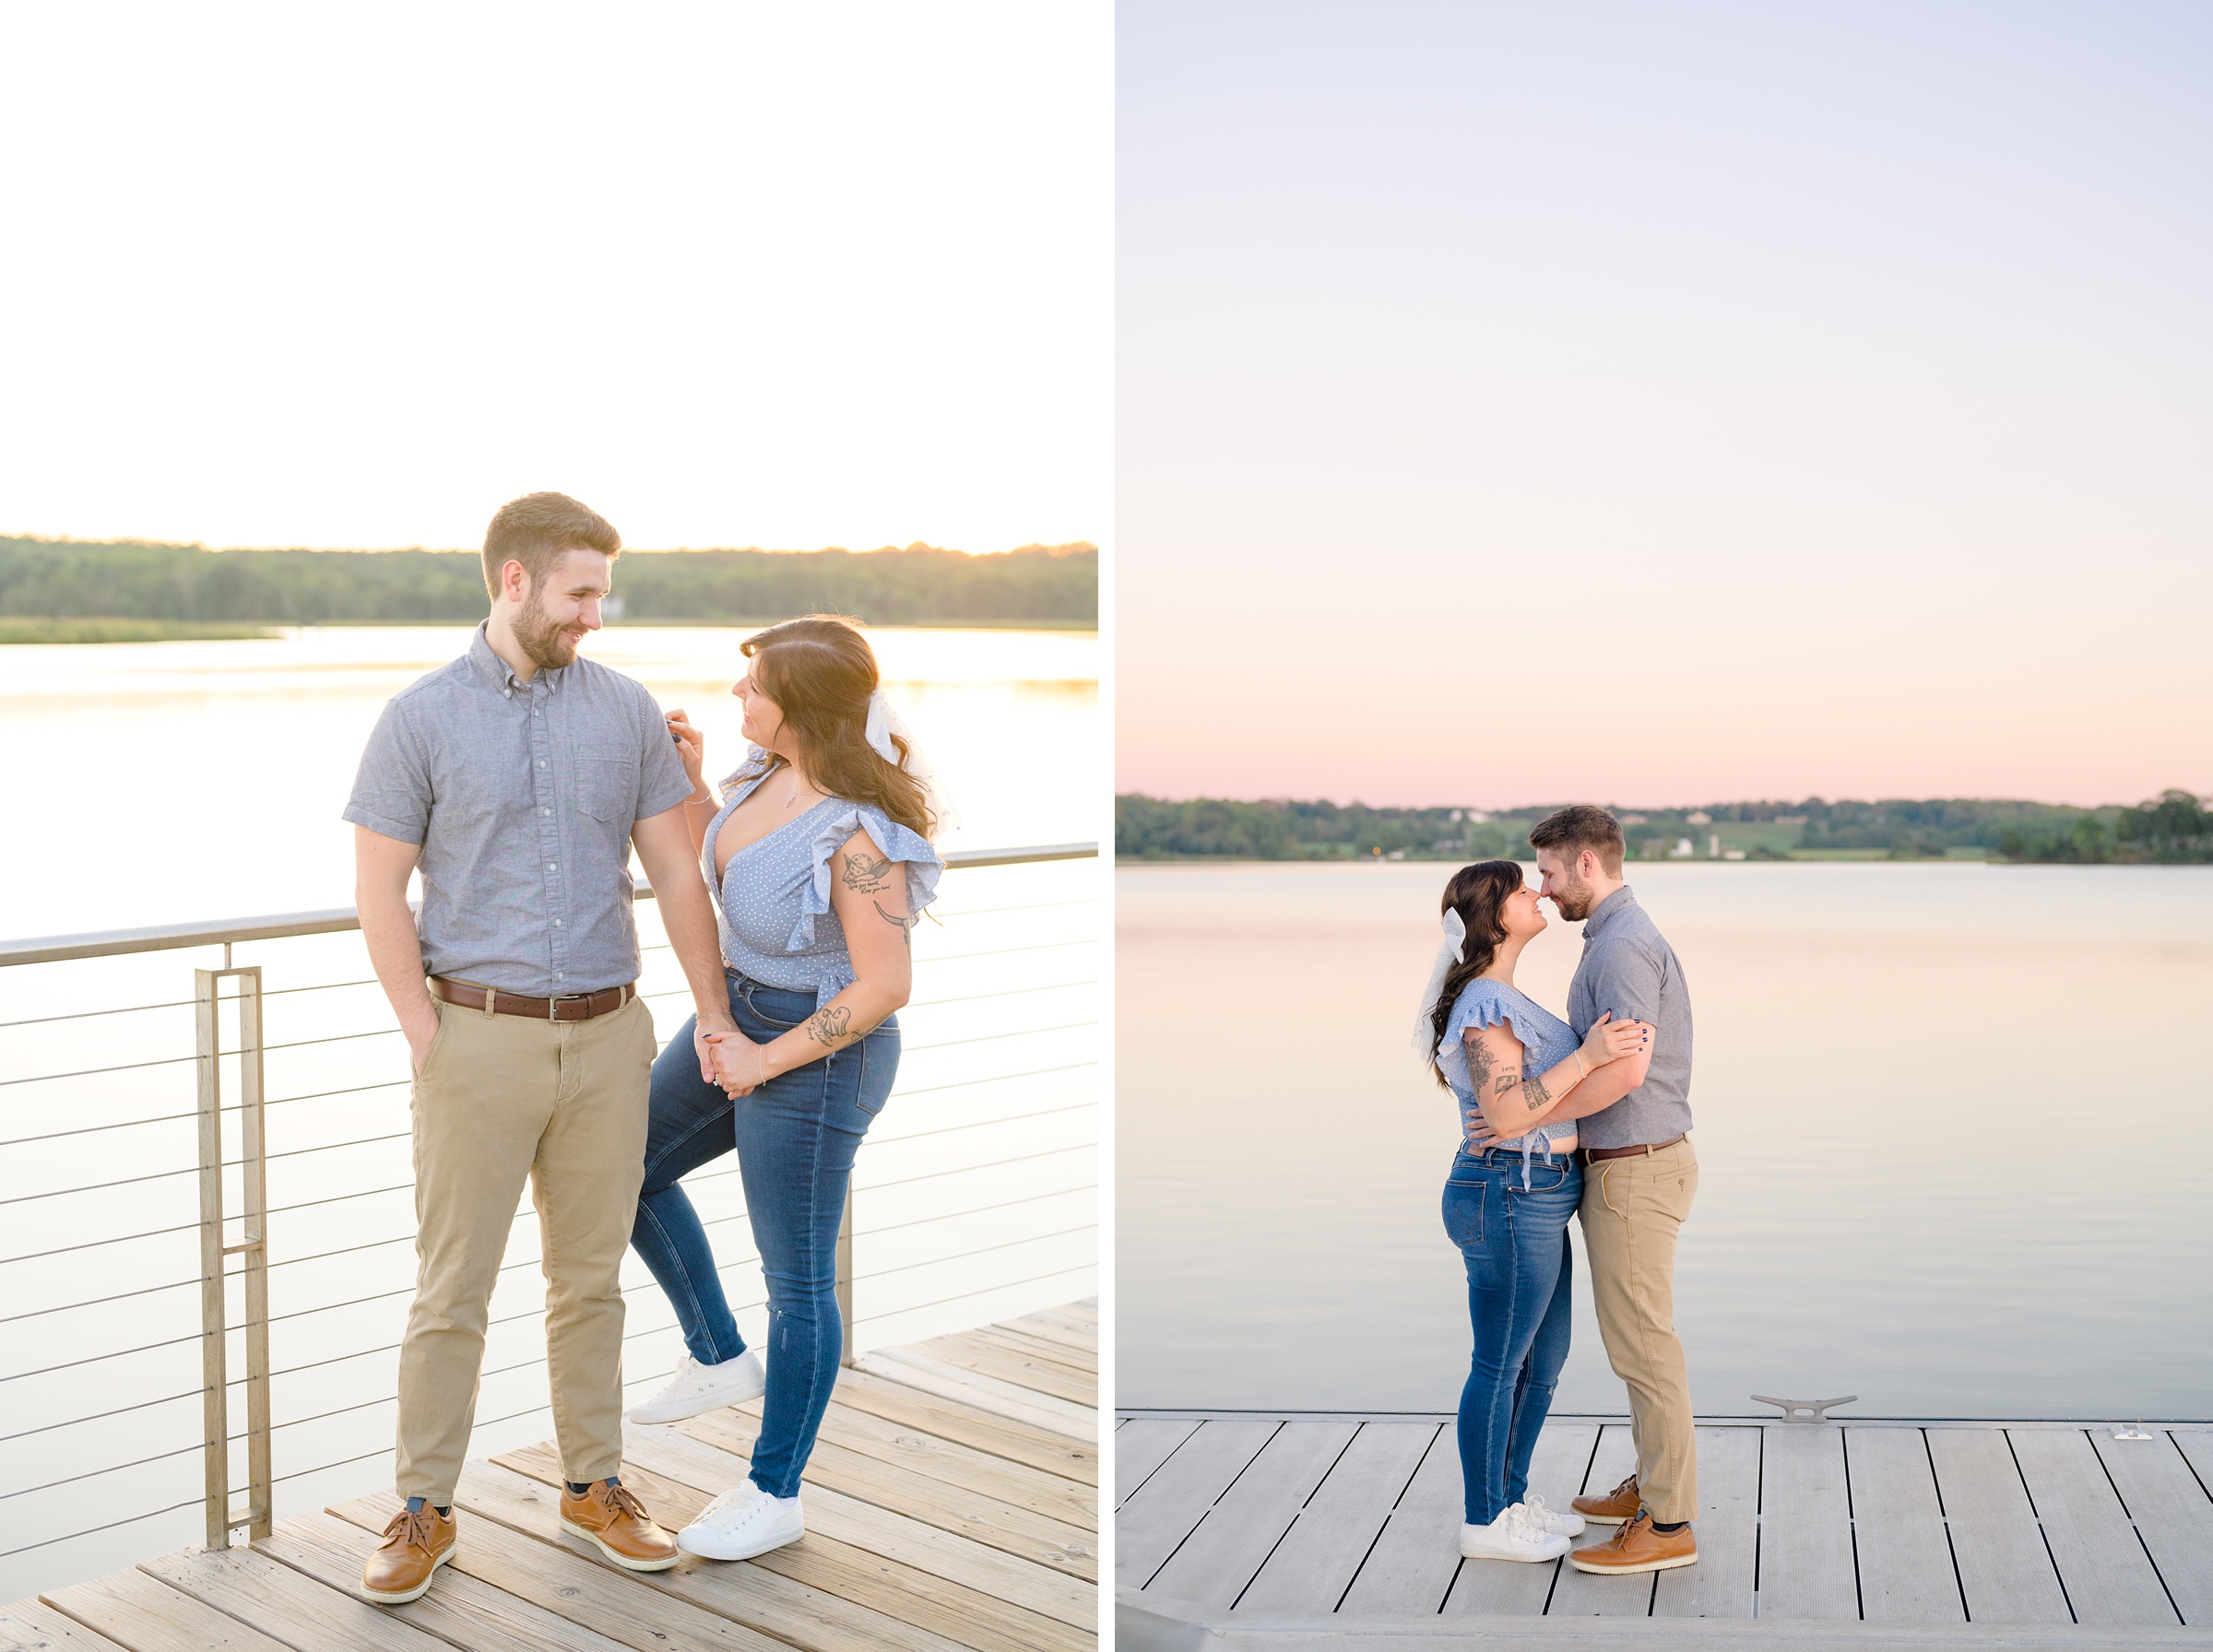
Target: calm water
{"type": "Point", "coordinates": [1281, 1153]}
{"type": "Point", "coordinates": [168, 782]}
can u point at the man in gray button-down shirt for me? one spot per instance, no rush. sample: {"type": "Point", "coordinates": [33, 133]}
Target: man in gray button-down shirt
{"type": "Point", "coordinates": [1640, 1177]}
{"type": "Point", "coordinates": [517, 780]}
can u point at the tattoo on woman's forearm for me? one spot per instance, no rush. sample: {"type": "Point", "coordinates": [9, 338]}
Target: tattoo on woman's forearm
{"type": "Point", "coordinates": [831, 1026]}
{"type": "Point", "coordinates": [1534, 1095]}
{"type": "Point", "coordinates": [865, 876]}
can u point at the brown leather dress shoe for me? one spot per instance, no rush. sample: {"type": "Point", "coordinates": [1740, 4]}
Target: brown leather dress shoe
{"type": "Point", "coordinates": [1620, 1504]}
{"type": "Point", "coordinates": [415, 1546]}
{"type": "Point", "coordinates": [611, 1517]}
{"type": "Point", "coordinates": [1637, 1547]}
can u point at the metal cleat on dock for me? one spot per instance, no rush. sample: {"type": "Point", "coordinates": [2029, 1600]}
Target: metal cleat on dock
{"type": "Point", "coordinates": [1817, 1411]}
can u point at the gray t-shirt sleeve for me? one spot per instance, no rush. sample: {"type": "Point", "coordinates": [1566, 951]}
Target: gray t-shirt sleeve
{"type": "Point", "coordinates": [1626, 980]}
{"type": "Point", "coordinates": [662, 784]}
{"type": "Point", "coordinates": [392, 788]}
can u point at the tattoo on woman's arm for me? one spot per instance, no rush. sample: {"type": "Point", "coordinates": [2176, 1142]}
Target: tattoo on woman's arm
{"type": "Point", "coordinates": [864, 875]}
{"type": "Point", "coordinates": [1534, 1094]}
{"type": "Point", "coordinates": [1479, 1066]}
{"type": "Point", "coordinates": [831, 1026]}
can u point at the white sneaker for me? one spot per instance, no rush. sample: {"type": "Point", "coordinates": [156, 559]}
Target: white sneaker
{"type": "Point", "coordinates": [1569, 1525]}
{"type": "Point", "coordinates": [696, 1389]}
{"type": "Point", "coordinates": [1512, 1536]}
{"type": "Point", "coordinates": [741, 1524]}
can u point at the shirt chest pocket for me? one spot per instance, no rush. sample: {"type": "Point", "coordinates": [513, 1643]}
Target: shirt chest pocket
{"type": "Point", "coordinates": [607, 788]}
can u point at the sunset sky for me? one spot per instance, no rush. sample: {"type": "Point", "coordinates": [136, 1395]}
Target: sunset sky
{"type": "Point", "coordinates": [1662, 403]}
{"type": "Point", "coordinates": [352, 275]}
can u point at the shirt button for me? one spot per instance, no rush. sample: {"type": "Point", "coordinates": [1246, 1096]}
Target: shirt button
{"type": "Point", "coordinates": [547, 812]}
{"type": "Point", "coordinates": [541, 762]}
{"type": "Point", "coordinates": [552, 866]}
{"type": "Point", "coordinates": [556, 922]}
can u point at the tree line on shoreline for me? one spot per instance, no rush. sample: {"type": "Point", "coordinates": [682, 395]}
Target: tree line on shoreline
{"type": "Point", "coordinates": [2174, 828]}
{"type": "Point", "coordinates": [189, 585]}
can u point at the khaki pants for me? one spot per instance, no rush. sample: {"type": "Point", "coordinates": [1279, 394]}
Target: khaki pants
{"type": "Point", "coordinates": [1632, 1209]}
{"type": "Point", "coordinates": [502, 1098]}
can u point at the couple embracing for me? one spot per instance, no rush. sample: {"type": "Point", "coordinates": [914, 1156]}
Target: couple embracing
{"type": "Point", "coordinates": [1585, 1117]}
{"type": "Point", "coordinates": [516, 781]}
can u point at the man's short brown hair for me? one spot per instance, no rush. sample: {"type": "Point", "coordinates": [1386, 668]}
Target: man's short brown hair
{"type": "Point", "coordinates": [1578, 827]}
{"type": "Point", "coordinates": [537, 530]}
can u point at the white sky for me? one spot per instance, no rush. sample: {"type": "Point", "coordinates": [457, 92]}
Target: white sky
{"type": "Point", "coordinates": [774, 275]}
{"type": "Point", "coordinates": [1665, 403]}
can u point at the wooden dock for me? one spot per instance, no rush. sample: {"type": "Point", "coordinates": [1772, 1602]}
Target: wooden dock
{"type": "Point", "coordinates": [951, 1504]}
{"type": "Point", "coordinates": [1276, 1531]}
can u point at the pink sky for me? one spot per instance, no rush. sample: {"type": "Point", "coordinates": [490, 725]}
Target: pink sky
{"type": "Point", "coordinates": [1665, 406]}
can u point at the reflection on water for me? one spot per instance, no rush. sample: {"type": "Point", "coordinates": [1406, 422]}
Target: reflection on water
{"type": "Point", "coordinates": [167, 782]}
{"type": "Point", "coordinates": [1886, 1054]}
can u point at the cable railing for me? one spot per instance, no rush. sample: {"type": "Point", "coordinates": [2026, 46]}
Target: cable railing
{"type": "Point", "coordinates": [277, 1167]}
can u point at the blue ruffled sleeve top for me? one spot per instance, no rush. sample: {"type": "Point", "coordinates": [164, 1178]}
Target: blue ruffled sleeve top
{"type": "Point", "coordinates": [774, 897]}
{"type": "Point", "coordinates": [1546, 1041]}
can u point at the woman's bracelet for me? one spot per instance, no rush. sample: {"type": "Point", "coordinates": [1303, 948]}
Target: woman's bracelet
{"type": "Point", "coordinates": [1582, 1069]}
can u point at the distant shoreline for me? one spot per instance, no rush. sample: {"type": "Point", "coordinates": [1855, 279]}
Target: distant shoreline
{"type": "Point", "coordinates": [95, 630]}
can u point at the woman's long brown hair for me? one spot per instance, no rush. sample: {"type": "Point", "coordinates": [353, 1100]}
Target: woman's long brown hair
{"type": "Point", "coordinates": [821, 671]}
{"type": "Point", "coordinates": [1479, 894]}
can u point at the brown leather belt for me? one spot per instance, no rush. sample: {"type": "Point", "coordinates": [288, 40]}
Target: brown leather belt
{"type": "Point", "coordinates": [577, 1006]}
{"type": "Point", "coordinates": [1593, 1154]}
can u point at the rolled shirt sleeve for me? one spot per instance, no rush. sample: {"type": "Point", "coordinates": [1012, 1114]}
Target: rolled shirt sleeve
{"type": "Point", "coordinates": [392, 794]}
{"type": "Point", "coordinates": [1627, 980]}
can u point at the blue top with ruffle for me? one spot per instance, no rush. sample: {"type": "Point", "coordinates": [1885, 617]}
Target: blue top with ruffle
{"type": "Point", "coordinates": [1546, 1041]}
{"type": "Point", "coordinates": [774, 897]}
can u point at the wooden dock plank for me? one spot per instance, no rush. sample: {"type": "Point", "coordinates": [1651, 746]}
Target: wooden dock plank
{"type": "Point", "coordinates": [1727, 1526]}
{"type": "Point", "coordinates": [1806, 1565]}
{"type": "Point", "coordinates": [1140, 1446]}
{"type": "Point", "coordinates": [1061, 1333]}
{"type": "Point", "coordinates": [774, 1605]}
{"type": "Point", "coordinates": [1584, 1594]}
{"type": "Point", "coordinates": [1905, 1574]}
{"type": "Point", "coordinates": [1522, 1587]}
{"type": "Point", "coordinates": [1416, 1559]}
{"type": "Point", "coordinates": [28, 1626]}
{"type": "Point", "coordinates": [1219, 1558]}
{"type": "Point", "coordinates": [1311, 1569]}
{"type": "Point", "coordinates": [1033, 1535]}
{"type": "Point", "coordinates": [2004, 1569]}
{"type": "Point", "coordinates": [939, 1459]}
{"type": "Point", "coordinates": [966, 1615]}
{"type": "Point", "coordinates": [679, 1457]}
{"type": "Point", "coordinates": [2109, 1578]}
{"type": "Point", "coordinates": [1165, 1509]}
{"type": "Point", "coordinates": [2172, 1513]}
{"type": "Point", "coordinates": [986, 1430]}
{"type": "Point", "coordinates": [286, 1605]}
{"type": "Point", "coordinates": [613, 1603]}
{"type": "Point", "coordinates": [143, 1614]}
{"type": "Point", "coordinates": [971, 1352]}
{"type": "Point", "coordinates": [1076, 1361]}
{"type": "Point", "coordinates": [981, 1391]}
{"type": "Point", "coordinates": [463, 1609]}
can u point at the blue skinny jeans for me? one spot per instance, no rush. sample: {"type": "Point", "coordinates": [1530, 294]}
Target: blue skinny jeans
{"type": "Point", "coordinates": [795, 1139]}
{"type": "Point", "coordinates": [1520, 1304]}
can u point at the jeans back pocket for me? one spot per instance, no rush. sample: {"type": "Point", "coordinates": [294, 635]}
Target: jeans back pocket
{"type": "Point", "coordinates": [1463, 1210]}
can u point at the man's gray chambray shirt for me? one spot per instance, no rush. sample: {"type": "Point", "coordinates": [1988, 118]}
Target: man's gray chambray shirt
{"type": "Point", "coordinates": [522, 796]}
{"type": "Point", "coordinates": [1628, 968]}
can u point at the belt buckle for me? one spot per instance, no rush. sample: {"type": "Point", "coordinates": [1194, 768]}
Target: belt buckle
{"type": "Point", "coordinates": [582, 998]}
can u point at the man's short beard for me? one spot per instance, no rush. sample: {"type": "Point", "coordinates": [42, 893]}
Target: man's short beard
{"type": "Point", "coordinates": [1574, 904]}
{"type": "Point", "coordinates": [541, 641]}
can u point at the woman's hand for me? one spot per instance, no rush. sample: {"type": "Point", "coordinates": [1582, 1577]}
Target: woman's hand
{"type": "Point", "coordinates": [740, 1066]}
{"type": "Point", "coordinates": [691, 747]}
{"type": "Point", "coordinates": [1610, 1040]}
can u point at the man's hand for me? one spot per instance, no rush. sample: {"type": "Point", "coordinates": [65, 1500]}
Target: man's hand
{"type": "Point", "coordinates": [708, 1026]}
{"type": "Point", "coordinates": [420, 1023]}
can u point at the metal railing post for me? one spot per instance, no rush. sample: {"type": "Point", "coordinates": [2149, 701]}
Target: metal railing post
{"type": "Point", "coordinates": [214, 1334]}
{"type": "Point", "coordinates": [845, 1276]}
{"type": "Point", "coordinates": [215, 1327]}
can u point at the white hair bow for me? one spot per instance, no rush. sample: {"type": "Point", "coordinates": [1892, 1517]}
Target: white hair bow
{"type": "Point", "coordinates": [1451, 951]}
{"type": "Point", "coordinates": [884, 721]}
